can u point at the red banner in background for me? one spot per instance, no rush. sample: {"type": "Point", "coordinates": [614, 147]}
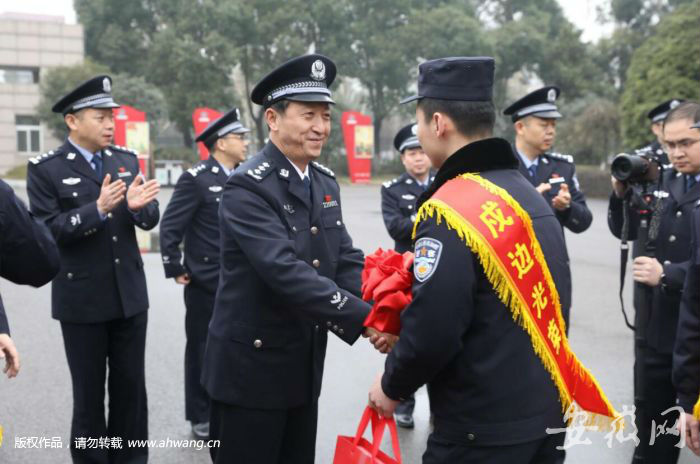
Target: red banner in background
{"type": "Point", "coordinates": [201, 118]}
{"type": "Point", "coordinates": [358, 134]}
{"type": "Point", "coordinates": [131, 131]}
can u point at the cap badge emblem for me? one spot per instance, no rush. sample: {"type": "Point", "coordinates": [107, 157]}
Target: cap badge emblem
{"type": "Point", "coordinates": [551, 96]}
{"type": "Point", "coordinates": [318, 70]}
{"type": "Point", "coordinates": [106, 85]}
{"type": "Point", "coordinates": [414, 129]}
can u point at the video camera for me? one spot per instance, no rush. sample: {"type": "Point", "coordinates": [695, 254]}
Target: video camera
{"type": "Point", "coordinates": [638, 168]}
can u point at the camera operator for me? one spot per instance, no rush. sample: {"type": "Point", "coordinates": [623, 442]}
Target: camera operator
{"type": "Point", "coordinates": [659, 212]}
{"type": "Point", "coordinates": [656, 116]}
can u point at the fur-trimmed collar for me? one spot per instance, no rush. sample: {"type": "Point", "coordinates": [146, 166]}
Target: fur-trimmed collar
{"type": "Point", "coordinates": [479, 156]}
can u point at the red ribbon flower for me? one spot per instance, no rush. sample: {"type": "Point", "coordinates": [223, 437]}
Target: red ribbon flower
{"type": "Point", "coordinates": [386, 280]}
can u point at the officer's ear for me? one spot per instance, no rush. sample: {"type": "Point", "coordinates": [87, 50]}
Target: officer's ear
{"type": "Point", "coordinates": [272, 118]}
{"type": "Point", "coordinates": [72, 120]}
{"type": "Point", "coordinates": [519, 126]}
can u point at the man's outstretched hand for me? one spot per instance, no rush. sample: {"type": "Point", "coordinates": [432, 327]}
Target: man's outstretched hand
{"type": "Point", "coordinates": [382, 341]}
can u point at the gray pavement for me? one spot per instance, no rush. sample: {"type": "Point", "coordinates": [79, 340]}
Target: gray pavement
{"type": "Point", "coordinates": [38, 402]}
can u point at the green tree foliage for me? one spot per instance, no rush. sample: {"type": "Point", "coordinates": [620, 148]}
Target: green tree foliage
{"type": "Point", "coordinates": [665, 66]}
{"type": "Point", "coordinates": [590, 129]}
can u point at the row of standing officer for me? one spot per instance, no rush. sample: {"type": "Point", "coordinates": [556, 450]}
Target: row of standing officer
{"type": "Point", "coordinates": [661, 259]}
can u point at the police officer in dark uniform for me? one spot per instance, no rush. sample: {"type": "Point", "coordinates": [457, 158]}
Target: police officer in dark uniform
{"type": "Point", "coordinates": [289, 275]}
{"type": "Point", "coordinates": [399, 197]}
{"type": "Point", "coordinates": [686, 354]}
{"type": "Point", "coordinates": [90, 194]}
{"type": "Point", "coordinates": [534, 118]}
{"type": "Point", "coordinates": [28, 256]}
{"type": "Point", "coordinates": [659, 271]}
{"type": "Point", "coordinates": [193, 215]}
{"type": "Point", "coordinates": [656, 118]}
{"type": "Point", "coordinates": [490, 395]}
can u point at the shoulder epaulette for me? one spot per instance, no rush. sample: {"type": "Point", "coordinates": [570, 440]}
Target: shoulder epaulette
{"type": "Point", "coordinates": [559, 156]}
{"type": "Point", "coordinates": [197, 168]}
{"type": "Point", "coordinates": [124, 149]}
{"type": "Point", "coordinates": [260, 171]}
{"type": "Point", "coordinates": [323, 169]}
{"type": "Point", "coordinates": [44, 157]}
{"type": "Point", "coordinates": [391, 182]}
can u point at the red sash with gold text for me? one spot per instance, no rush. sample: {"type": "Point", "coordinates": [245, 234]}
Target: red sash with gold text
{"type": "Point", "coordinates": [500, 233]}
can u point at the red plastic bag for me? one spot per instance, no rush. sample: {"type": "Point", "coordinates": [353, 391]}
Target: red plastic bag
{"type": "Point", "coordinates": [357, 450]}
{"type": "Point", "coordinates": [386, 280]}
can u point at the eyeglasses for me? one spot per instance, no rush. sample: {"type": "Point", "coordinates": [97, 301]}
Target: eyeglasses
{"type": "Point", "coordinates": [681, 145]}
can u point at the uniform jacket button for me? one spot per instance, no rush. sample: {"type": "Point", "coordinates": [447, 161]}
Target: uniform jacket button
{"type": "Point", "coordinates": [470, 437]}
{"type": "Point", "coordinates": [341, 331]}
{"type": "Point", "coordinates": [328, 324]}
{"type": "Point", "coordinates": [257, 343]}
{"type": "Point", "coordinates": [109, 215]}
{"type": "Point", "coordinates": [294, 228]}
{"type": "Point", "coordinates": [667, 262]}
{"type": "Point", "coordinates": [316, 263]}
{"type": "Point", "coordinates": [69, 275]}
{"type": "Point", "coordinates": [314, 230]}
{"type": "Point", "coordinates": [116, 261]}
{"type": "Point", "coordinates": [114, 238]}
{"type": "Point", "coordinates": [672, 238]}
{"type": "Point", "coordinates": [338, 223]}
{"type": "Point", "coordinates": [316, 327]}
{"type": "Point", "coordinates": [679, 213]}
{"type": "Point", "coordinates": [335, 328]}
{"type": "Point", "coordinates": [75, 194]}
{"type": "Point", "coordinates": [206, 259]}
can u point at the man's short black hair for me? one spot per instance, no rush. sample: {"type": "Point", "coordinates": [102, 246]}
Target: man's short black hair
{"type": "Point", "coordinates": [280, 106]}
{"type": "Point", "coordinates": [472, 119]}
{"type": "Point", "coordinates": [210, 142]}
{"type": "Point", "coordinates": [687, 110]}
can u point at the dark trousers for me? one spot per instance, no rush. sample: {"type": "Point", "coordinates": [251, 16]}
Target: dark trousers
{"type": "Point", "coordinates": [654, 394]}
{"type": "Point", "coordinates": [543, 451]}
{"type": "Point", "coordinates": [200, 305]}
{"type": "Point", "coordinates": [91, 348]}
{"type": "Point", "coordinates": [263, 436]}
{"type": "Point", "coordinates": [406, 406]}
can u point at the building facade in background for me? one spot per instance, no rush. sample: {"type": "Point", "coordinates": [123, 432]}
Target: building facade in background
{"type": "Point", "coordinates": [29, 45]}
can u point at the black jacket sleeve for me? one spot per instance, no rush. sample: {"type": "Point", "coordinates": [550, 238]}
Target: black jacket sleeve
{"type": "Point", "coordinates": [265, 241]}
{"type": "Point", "coordinates": [615, 218]}
{"type": "Point", "coordinates": [176, 219]}
{"type": "Point", "coordinates": [28, 252]}
{"type": "Point", "coordinates": [398, 226]}
{"type": "Point", "coordinates": [433, 325]}
{"type": "Point", "coordinates": [4, 325]}
{"type": "Point", "coordinates": [686, 354]}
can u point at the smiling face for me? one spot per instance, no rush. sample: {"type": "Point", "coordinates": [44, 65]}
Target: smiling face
{"type": "Point", "coordinates": [91, 128]}
{"type": "Point", "coordinates": [683, 145]}
{"type": "Point", "coordinates": [300, 130]}
{"type": "Point", "coordinates": [536, 133]}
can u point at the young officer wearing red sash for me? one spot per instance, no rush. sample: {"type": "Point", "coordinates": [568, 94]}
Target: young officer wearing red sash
{"type": "Point", "coordinates": [490, 391]}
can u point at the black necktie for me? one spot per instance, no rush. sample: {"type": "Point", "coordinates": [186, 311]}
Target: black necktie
{"type": "Point", "coordinates": [307, 185]}
{"type": "Point", "coordinates": [97, 163]}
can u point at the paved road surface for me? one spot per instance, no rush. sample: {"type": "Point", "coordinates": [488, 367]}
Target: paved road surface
{"type": "Point", "coordinates": [38, 402]}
